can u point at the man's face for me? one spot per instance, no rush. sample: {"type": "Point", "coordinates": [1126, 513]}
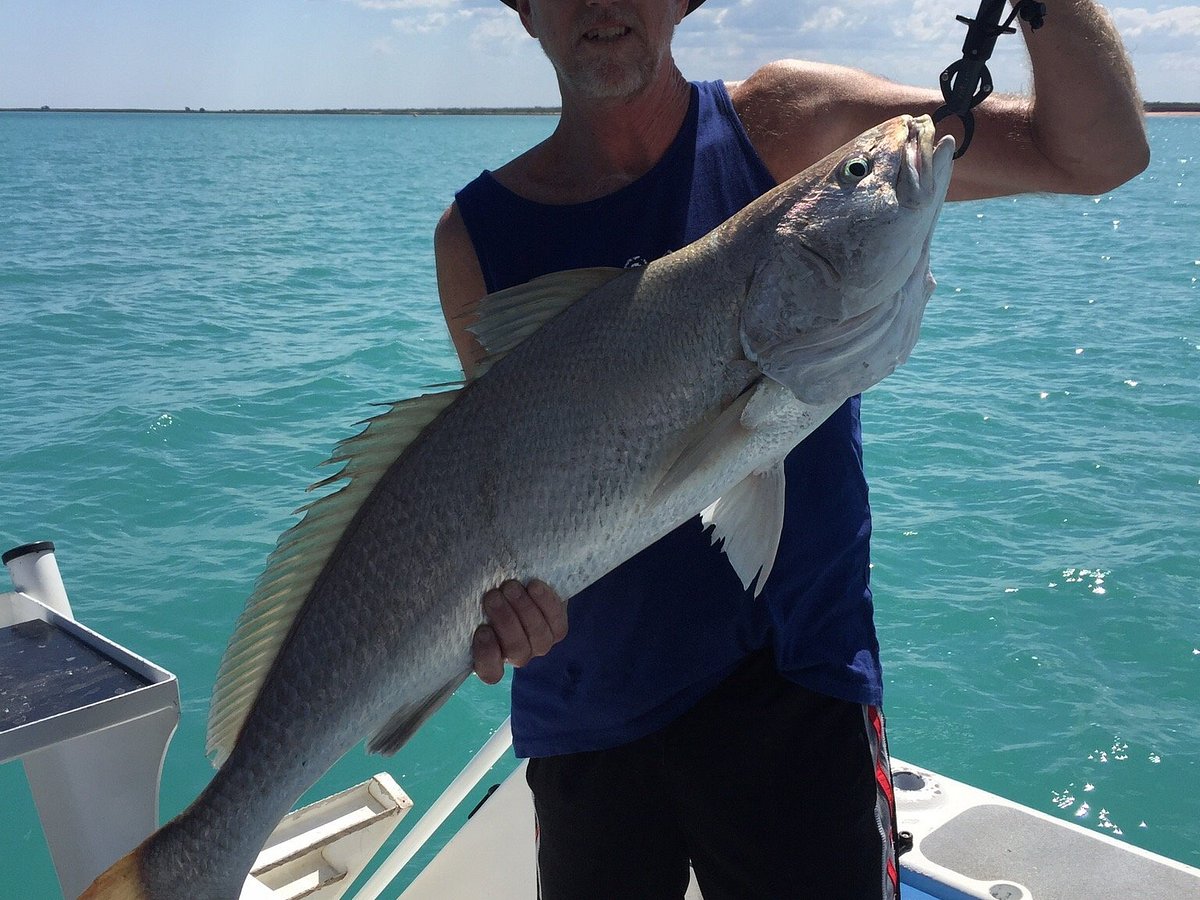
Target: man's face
{"type": "Point", "coordinates": [604, 49]}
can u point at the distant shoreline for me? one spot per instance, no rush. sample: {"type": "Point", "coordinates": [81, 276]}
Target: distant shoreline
{"type": "Point", "coordinates": [1159, 108]}
{"type": "Point", "coordinates": [1153, 107]}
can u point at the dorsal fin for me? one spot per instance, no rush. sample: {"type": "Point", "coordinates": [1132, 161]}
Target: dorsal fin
{"type": "Point", "coordinates": [301, 554]}
{"type": "Point", "coordinates": [508, 317]}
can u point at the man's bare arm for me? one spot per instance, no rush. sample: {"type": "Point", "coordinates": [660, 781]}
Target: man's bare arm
{"type": "Point", "coordinates": [1082, 131]}
{"type": "Point", "coordinates": [460, 285]}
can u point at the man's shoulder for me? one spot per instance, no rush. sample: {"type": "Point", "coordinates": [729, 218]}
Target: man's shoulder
{"type": "Point", "coordinates": [800, 84]}
{"type": "Point", "coordinates": [795, 111]}
{"type": "Point", "coordinates": [450, 232]}
{"type": "Point", "coordinates": [520, 174]}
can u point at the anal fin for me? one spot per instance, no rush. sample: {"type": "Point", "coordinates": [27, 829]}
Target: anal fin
{"type": "Point", "coordinates": [405, 721]}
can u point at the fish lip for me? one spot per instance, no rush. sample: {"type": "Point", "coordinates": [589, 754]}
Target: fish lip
{"type": "Point", "coordinates": [914, 176]}
{"type": "Point", "coordinates": [942, 157]}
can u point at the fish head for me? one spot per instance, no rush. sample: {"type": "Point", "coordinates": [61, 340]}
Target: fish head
{"type": "Point", "coordinates": [835, 302]}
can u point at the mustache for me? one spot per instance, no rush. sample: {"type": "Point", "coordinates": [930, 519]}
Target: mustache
{"type": "Point", "coordinates": [607, 18]}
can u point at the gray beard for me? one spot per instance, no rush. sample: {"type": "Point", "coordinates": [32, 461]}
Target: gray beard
{"type": "Point", "coordinates": [610, 81]}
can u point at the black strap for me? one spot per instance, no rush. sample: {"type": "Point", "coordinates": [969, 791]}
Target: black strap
{"type": "Point", "coordinates": [967, 82]}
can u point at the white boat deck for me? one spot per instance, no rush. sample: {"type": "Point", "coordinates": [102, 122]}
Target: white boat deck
{"type": "Point", "coordinates": [967, 844]}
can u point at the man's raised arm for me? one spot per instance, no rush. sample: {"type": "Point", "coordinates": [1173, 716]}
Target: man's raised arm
{"type": "Point", "coordinates": [1081, 132]}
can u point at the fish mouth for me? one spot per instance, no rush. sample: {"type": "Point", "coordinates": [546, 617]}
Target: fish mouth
{"type": "Point", "coordinates": [924, 166]}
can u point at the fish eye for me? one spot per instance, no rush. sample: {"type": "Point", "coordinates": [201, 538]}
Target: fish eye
{"type": "Point", "coordinates": [856, 169]}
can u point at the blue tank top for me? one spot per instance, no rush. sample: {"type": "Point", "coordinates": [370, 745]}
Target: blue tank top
{"type": "Point", "coordinates": [653, 636]}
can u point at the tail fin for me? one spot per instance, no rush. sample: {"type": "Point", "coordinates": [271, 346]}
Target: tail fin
{"type": "Point", "coordinates": [120, 881]}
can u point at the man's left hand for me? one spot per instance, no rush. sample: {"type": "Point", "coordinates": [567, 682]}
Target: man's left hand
{"type": "Point", "coordinates": [523, 621]}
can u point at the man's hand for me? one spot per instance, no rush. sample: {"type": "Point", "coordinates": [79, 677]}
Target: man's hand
{"type": "Point", "coordinates": [523, 621]}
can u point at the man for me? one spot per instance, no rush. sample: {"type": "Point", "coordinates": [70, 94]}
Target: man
{"type": "Point", "coordinates": [682, 721]}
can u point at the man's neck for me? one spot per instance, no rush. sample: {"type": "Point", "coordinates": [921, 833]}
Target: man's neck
{"type": "Point", "coordinates": [600, 146]}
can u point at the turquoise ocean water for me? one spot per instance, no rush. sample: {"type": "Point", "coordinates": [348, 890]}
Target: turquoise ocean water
{"type": "Point", "coordinates": [194, 308]}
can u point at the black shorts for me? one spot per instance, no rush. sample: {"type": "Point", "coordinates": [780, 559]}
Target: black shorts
{"type": "Point", "coordinates": [766, 789]}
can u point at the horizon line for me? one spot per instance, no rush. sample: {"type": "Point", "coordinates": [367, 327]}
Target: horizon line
{"type": "Point", "coordinates": [1182, 106]}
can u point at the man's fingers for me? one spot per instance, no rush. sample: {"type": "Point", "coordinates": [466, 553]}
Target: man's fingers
{"type": "Point", "coordinates": [486, 655]}
{"type": "Point", "coordinates": [553, 610]}
{"type": "Point", "coordinates": [522, 622]}
{"type": "Point", "coordinates": [503, 611]}
{"type": "Point", "coordinates": [537, 637]}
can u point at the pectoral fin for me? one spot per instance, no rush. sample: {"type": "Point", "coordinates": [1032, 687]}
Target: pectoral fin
{"type": "Point", "coordinates": [748, 520]}
{"type": "Point", "coordinates": [711, 444]}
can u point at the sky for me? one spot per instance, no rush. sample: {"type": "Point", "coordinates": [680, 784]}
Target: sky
{"type": "Point", "coordinates": [333, 54]}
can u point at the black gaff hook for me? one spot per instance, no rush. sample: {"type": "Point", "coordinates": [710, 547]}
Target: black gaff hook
{"type": "Point", "coordinates": [967, 83]}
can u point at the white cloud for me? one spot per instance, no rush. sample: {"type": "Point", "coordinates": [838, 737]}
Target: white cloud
{"type": "Point", "coordinates": [384, 46]}
{"type": "Point", "coordinates": [493, 30]}
{"type": "Point", "coordinates": [827, 20]}
{"type": "Point", "coordinates": [854, 31]}
{"type": "Point", "coordinates": [896, 39]}
{"type": "Point", "coordinates": [883, 26]}
{"type": "Point", "coordinates": [430, 22]}
{"type": "Point", "coordinates": [500, 33]}
{"type": "Point", "coordinates": [930, 22]}
{"type": "Point", "coordinates": [909, 41]}
{"type": "Point", "coordinates": [1175, 21]}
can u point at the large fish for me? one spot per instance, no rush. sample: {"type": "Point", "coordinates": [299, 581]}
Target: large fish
{"type": "Point", "coordinates": [614, 405]}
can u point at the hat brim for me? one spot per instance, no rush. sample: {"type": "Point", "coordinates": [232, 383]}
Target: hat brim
{"type": "Point", "coordinates": [692, 4]}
